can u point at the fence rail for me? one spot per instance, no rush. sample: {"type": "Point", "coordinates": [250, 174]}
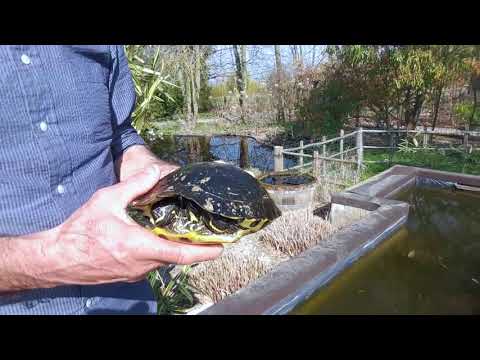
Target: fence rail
{"type": "Point", "coordinates": [320, 158]}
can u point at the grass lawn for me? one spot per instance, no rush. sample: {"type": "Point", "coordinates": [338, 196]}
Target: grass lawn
{"type": "Point", "coordinates": [208, 124]}
{"type": "Point", "coordinates": [454, 161]}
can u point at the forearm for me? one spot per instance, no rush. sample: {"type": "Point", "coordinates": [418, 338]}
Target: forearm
{"type": "Point", "coordinates": [25, 260]}
{"type": "Point", "coordinates": [98, 243]}
{"type": "Point", "coordinates": [137, 158]}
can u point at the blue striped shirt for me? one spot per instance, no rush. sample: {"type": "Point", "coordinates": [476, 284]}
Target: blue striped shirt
{"type": "Point", "coordinates": [64, 119]}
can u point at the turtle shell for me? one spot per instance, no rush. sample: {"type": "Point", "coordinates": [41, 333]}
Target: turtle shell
{"type": "Point", "coordinates": [218, 188]}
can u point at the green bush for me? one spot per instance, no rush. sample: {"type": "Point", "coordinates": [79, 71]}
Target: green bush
{"type": "Point", "coordinates": [464, 111]}
{"type": "Point", "coordinates": [157, 95]}
{"type": "Point", "coordinates": [328, 108]}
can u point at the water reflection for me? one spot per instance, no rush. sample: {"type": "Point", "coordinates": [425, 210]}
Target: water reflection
{"type": "Point", "coordinates": [432, 266]}
{"type": "Point", "coordinates": [242, 151]}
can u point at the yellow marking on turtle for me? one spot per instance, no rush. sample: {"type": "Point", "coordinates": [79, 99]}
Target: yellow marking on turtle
{"type": "Point", "coordinates": [247, 223]}
{"type": "Point", "coordinates": [203, 181]}
{"type": "Point", "coordinates": [196, 188]}
{"type": "Point", "coordinates": [192, 216]}
{"type": "Point", "coordinates": [216, 229]}
{"type": "Point", "coordinates": [196, 238]}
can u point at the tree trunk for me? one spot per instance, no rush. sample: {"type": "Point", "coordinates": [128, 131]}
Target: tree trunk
{"type": "Point", "coordinates": [191, 80]}
{"type": "Point", "coordinates": [244, 65]}
{"type": "Point", "coordinates": [406, 106]}
{"type": "Point", "coordinates": [412, 109]}
{"type": "Point", "coordinates": [205, 148]}
{"type": "Point", "coordinates": [387, 118]}
{"type": "Point", "coordinates": [297, 57]}
{"type": "Point", "coordinates": [195, 79]}
{"type": "Point", "coordinates": [293, 50]}
{"type": "Point", "coordinates": [279, 84]}
{"type": "Point", "coordinates": [243, 152]}
{"type": "Point", "coordinates": [186, 89]}
{"type": "Point", "coordinates": [436, 106]}
{"type": "Point", "coordinates": [194, 98]}
{"type": "Point", "coordinates": [474, 108]}
{"type": "Point", "coordinates": [240, 73]}
{"type": "Point", "coordinates": [194, 149]}
{"type": "Point", "coordinates": [198, 70]}
{"type": "Point", "coordinates": [417, 108]}
{"type": "Point", "coordinates": [300, 58]}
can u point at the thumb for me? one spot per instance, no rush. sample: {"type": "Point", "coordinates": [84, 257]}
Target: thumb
{"type": "Point", "coordinates": [137, 185]}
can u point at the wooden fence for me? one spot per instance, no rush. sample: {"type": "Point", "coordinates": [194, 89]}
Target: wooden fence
{"type": "Point", "coordinates": [319, 159]}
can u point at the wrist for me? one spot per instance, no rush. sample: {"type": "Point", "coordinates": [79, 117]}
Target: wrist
{"type": "Point", "coordinates": [23, 261]}
{"type": "Point", "coordinates": [45, 255]}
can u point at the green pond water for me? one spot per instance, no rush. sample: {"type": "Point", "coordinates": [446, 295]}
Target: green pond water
{"type": "Point", "coordinates": [430, 266]}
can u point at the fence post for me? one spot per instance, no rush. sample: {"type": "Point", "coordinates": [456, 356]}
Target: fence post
{"type": "Point", "coordinates": [278, 158]}
{"type": "Point", "coordinates": [465, 136]}
{"type": "Point", "coordinates": [342, 165]}
{"type": "Point", "coordinates": [359, 149]}
{"type": "Point", "coordinates": [324, 155]}
{"type": "Point", "coordinates": [392, 146]}
{"type": "Point", "coordinates": [425, 137]}
{"type": "Point", "coordinates": [301, 152]}
{"type": "Point", "coordinates": [316, 164]}
{"type": "Point", "coordinates": [342, 134]}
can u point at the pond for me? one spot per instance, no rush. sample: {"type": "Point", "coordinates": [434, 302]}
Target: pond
{"type": "Point", "coordinates": [243, 151]}
{"type": "Point", "coordinates": [431, 266]}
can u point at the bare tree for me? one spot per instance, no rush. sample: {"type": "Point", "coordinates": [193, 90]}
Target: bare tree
{"type": "Point", "coordinates": [244, 66]}
{"type": "Point", "coordinates": [189, 59]}
{"type": "Point", "coordinates": [241, 75]}
{"type": "Point", "coordinates": [279, 84]}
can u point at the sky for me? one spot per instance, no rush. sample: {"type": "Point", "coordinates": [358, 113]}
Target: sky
{"type": "Point", "coordinates": [260, 60]}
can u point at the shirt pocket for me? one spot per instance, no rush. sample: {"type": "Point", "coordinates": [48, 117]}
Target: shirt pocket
{"type": "Point", "coordinates": [86, 74]}
{"type": "Point", "coordinates": [88, 64]}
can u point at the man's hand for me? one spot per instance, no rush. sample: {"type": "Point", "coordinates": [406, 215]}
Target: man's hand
{"type": "Point", "coordinates": [106, 245]}
{"type": "Point", "coordinates": [99, 243]}
{"type": "Point", "coordinates": [138, 158]}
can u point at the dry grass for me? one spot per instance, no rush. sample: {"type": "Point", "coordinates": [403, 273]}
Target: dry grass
{"type": "Point", "coordinates": [251, 258]}
{"type": "Point", "coordinates": [224, 276]}
{"type": "Point", "coordinates": [324, 190]}
{"type": "Point", "coordinates": [338, 178]}
{"type": "Point", "coordinates": [296, 231]}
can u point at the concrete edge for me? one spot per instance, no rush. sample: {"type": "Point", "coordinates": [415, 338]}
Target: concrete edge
{"type": "Point", "coordinates": [295, 280]}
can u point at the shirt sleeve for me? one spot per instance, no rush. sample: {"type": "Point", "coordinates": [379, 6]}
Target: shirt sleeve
{"type": "Point", "coordinates": [122, 100]}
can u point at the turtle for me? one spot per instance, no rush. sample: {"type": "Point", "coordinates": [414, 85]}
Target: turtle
{"type": "Point", "coordinates": [206, 203]}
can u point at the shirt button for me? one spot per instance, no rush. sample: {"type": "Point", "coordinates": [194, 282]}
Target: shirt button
{"type": "Point", "coordinates": [60, 189]}
{"type": "Point", "coordinates": [43, 126]}
{"type": "Point", "coordinates": [25, 59]}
